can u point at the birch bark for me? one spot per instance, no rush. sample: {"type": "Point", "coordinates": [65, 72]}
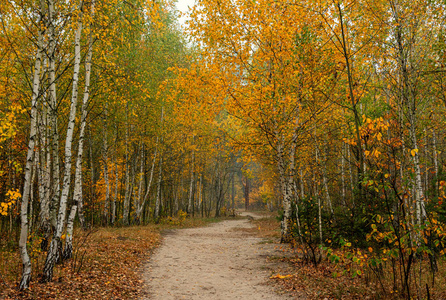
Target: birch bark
{"type": "Point", "coordinates": [434, 148]}
{"type": "Point", "coordinates": [343, 172]}
{"type": "Point", "coordinates": [125, 216]}
{"type": "Point", "coordinates": [319, 204]}
{"type": "Point", "coordinates": [191, 185]}
{"type": "Point", "coordinates": [105, 212]}
{"type": "Point", "coordinates": [141, 179]}
{"type": "Point", "coordinates": [53, 118]}
{"type": "Point", "coordinates": [158, 191]}
{"type": "Point", "coordinates": [77, 194]}
{"type": "Point", "coordinates": [149, 185]}
{"type": "Point", "coordinates": [286, 200]}
{"type": "Point", "coordinates": [404, 53]}
{"type": "Point", "coordinates": [324, 179]}
{"type": "Point", "coordinates": [55, 247]}
{"type": "Point", "coordinates": [26, 262]}
{"type": "Point", "coordinates": [115, 195]}
{"type": "Point", "coordinates": [42, 165]}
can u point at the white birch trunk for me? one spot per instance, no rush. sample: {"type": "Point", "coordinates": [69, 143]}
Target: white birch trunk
{"type": "Point", "coordinates": [292, 181]}
{"type": "Point", "coordinates": [418, 188]}
{"type": "Point", "coordinates": [115, 195]}
{"type": "Point", "coordinates": [125, 216]}
{"type": "Point", "coordinates": [182, 187]}
{"type": "Point", "coordinates": [55, 169]}
{"type": "Point", "coordinates": [352, 188]}
{"type": "Point", "coordinates": [426, 159]}
{"type": "Point", "coordinates": [343, 172]}
{"type": "Point", "coordinates": [141, 180]}
{"type": "Point", "coordinates": [77, 194]}
{"type": "Point", "coordinates": [324, 179]}
{"type": "Point", "coordinates": [199, 194]}
{"type": "Point", "coordinates": [53, 119]}
{"type": "Point", "coordinates": [302, 187]}
{"type": "Point", "coordinates": [31, 195]}
{"type": "Point", "coordinates": [319, 204]}
{"type": "Point", "coordinates": [106, 180]}
{"type": "Point", "coordinates": [299, 230]}
{"type": "Point", "coordinates": [149, 185]}
{"type": "Point", "coordinates": [42, 164]}
{"type": "Point", "coordinates": [158, 191]}
{"type": "Point", "coordinates": [286, 199]}
{"type": "Point", "coordinates": [191, 185]}
{"type": "Point", "coordinates": [176, 201]}
{"type": "Point", "coordinates": [434, 148]}
{"type": "Point", "coordinates": [26, 262]}
{"type": "Point", "coordinates": [55, 246]}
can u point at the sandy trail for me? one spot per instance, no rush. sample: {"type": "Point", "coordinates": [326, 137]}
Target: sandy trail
{"type": "Point", "coordinates": [221, 261]}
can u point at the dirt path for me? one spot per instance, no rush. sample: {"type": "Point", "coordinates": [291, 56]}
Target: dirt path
{"type": "Point", "coordinates": [221, 261]}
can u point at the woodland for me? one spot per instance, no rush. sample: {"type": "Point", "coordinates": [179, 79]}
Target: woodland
{"type": "Point", "coordinates": [328, 112]}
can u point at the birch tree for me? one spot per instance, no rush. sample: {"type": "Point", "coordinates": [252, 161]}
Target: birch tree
{"type": "Point", "coordinates": [26, 262]}
{"type": "Point", "coordinates": [54, 252]}
{"type": "Point", "coordinates": [77, 195]}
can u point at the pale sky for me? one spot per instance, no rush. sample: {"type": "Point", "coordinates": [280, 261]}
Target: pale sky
{"type": "Point", "coordinates": [182, 6]}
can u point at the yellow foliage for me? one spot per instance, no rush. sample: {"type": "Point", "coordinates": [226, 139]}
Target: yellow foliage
{"type": "Point", "coordinates": [12, 196]}
{"type": "Point", "coordinates": [278, 276]}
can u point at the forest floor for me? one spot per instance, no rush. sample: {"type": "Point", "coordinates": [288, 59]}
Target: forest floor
{"type": "Point", "coordinates": [193, 258]}
{"type": "Point", "coordinates": [107, 263]}
{"type": "Point", "coordinates": [221, 261]}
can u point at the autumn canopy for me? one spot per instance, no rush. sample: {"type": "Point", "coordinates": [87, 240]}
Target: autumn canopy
{"type": "Point", "coordinates": [331, 112]}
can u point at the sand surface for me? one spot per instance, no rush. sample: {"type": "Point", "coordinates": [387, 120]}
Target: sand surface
{"type": "Point", "coordinates": [220, 261]}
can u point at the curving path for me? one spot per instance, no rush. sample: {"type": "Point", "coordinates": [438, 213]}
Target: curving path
{"type": "Point", "coordinates": [221, 261]}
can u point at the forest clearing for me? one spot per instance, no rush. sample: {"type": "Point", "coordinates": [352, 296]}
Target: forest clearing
{"type": "Point", "coordinates": [118, 121]}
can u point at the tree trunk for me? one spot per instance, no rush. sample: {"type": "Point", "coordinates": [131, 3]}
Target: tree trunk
{"type": "Point", "coordinates": [105, 212]}
{"type": "Point", "coordinates": [125, 216]}
{"type": "Point", "coordinates": [233, 191]}
{"type": "Point", "coordinates": [54, 202]}
{"type": "Point", "coordinates": [191, 185]}
{"type": "Point", "coordinates": [327, 192]}
{"type": "Point", "coordinates": [200, 200]}
{"type": "Point", "coordinates": [246, 193]}
{"type": "Point", "coordinates": [31, 195]}
{"type": "Point", "coordinates": [140, 186]}
{"type": "Point", "coordinates": [92, 175]}
{"type": "Point", "coordinates": [434, 148]}
{"type": "Point", "coordinates": [158, 191]}
{"type": "Point", "coordinates": [409, 99]}
{"type": "Point", "coordinates": [350, 172]}
{"type": "Point", "coordinates": [26, 262]}
{"type": "Point", "coordinates": [286, 197]}
{"type": "Point", "coordinates": [115, 195]}
{"type": "Point", "coordinates": [55, 247]}
{"type": "Point", "coordinates": [149, 185]}
{"type": "Point", "coordinates": [302, 187]}
{"type": "Point", "coordinates": [343, 172]}
{"type": "Point", "coordinates": [42, 168]}
{"type": "Point", "coordinates": [354, 102]}
{"type": "Point", "coordinates": [299, 229]}
{"type": "Point", "coordinates": [77, 194]}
